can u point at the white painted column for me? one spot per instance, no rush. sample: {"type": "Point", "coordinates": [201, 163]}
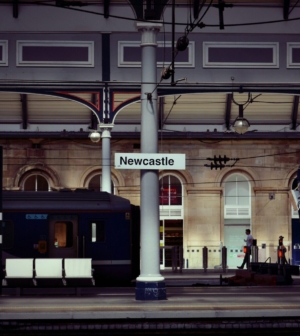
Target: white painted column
{"type": "Point", "coordinates": [106, 163]}
{"type": "Point", "coordinates": [150, 263]}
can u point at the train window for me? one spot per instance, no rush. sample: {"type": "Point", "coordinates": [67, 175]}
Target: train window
{"type": "Point", "coordinates": [98, 231]}
{"type": "Point", "coordinates": [63, 234]}
{"type": "Point", "coordinates": [7, 235]}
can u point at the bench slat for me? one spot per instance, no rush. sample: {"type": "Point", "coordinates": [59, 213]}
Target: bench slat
{"type": "Point", "coordinates": [19, 268]}
{"type": "Point", "coordinates": [48, 268]}
{"type": "Point", "coordinates": [78, 268]}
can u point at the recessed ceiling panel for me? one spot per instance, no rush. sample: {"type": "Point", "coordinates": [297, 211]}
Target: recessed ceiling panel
{"type": "Point", "coordinates": [10, 107]}
{"type": "Point", "coordinates": [265, 108]}
{"type": "Point", "coordinates": [51, 109]}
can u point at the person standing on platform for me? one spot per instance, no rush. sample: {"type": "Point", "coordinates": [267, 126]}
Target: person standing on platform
{"type": "Point", "coordinates": [249, 243]}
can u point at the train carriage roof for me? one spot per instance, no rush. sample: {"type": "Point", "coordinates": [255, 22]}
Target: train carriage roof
{"type": "Point", "coordinates": [68, 201]}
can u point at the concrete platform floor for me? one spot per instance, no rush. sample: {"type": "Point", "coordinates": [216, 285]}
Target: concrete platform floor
{"type": "Point", "coordinates": [184, 301]}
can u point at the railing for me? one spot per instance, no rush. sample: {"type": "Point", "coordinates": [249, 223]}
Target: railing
{"type": "Point", "coordinates": [203, 254]}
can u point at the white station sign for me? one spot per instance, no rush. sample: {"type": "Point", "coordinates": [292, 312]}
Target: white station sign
{"type": "Point", "coordinates": [149, 161]}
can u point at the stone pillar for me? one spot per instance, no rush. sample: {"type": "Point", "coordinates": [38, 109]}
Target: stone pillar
{"type": "Point", "coordinates": [106, 164]}
{"type": "Point", "coordinates": [150, 284]}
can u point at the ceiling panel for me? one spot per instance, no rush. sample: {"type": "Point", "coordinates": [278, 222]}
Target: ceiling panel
{"type": "Point", "coordinates": [48, 109]}
{"type": "Point", "coordinates": [196, 108]}
{"type": "Point", "coordinates": [265, 108]}
{"type": "Point", "coordinates": [10, 107]}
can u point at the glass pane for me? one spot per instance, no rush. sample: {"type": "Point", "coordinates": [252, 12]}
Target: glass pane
{"type": "Point", "coordinates": [42, 183]}
{"type": "Point", "coordinates": [237, 190]}
{"type": "Point", "coordinates": [63, 234]}
{"type": "Point", "coordinates": [29, 184]}
{"type": "Point", "coordinates": [175, 191]}
{"type": "Point", "coordinates": [295, 184]}
{"type": "Point", "coordinates": [243, 193]}
{"type": "Point", "coordinates": [94, 232]}
{"type": "Point", "coordinates": [36, 183]}
{"type": "Point", "coordinates": [170, 191]}
{"type": "Point", "coordinates": [173, 237]}
{"type": "Point", "coordinates": [98, 231]}
{"type": "Point", "coordinates": [230, 193]}
{"type": "Point", "coordinates": [95, 184]}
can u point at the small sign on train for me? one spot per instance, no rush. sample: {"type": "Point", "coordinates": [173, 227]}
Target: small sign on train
{"type": "Point", "coordinates": [36, 216]}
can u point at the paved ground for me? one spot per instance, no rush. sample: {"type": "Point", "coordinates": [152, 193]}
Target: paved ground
{"type": "Point", "coordinates": [189, 295]}
{"type": "Point", "coordinates": [189, 308]}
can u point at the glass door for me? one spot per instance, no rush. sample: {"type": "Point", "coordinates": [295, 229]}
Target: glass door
{"type": "Point", "coordinates": [234, 236]}
{"type": "Point", "coordinates": [162, 244]}
{"type": "Point", "coordinates": [171, 234]}
{"type": "Point", "coordinates": [63, 231]}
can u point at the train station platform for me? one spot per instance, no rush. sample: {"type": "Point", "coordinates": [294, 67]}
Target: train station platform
{"type": "Point", "coordinates": [195, 302]}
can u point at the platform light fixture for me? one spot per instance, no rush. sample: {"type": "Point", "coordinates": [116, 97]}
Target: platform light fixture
{"type": "Point", "coordinates": [95, 136]}
{"type": "Point", "coordinates": [241, 124]}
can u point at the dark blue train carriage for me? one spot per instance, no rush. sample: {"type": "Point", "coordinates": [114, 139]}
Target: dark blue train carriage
{"type": "Point", "coordinates": [74, 224]}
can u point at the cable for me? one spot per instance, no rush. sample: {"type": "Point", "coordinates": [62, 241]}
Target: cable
{"type": "Point", "coordinates": [293, 7]}
{"type": "Point", "coordinates": [174, 103]}
{"type": "Point", "coordinates": [203, 25]}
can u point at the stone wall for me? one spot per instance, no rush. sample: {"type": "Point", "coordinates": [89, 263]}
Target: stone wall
{"type": "Point", "coordinates": [69, 163]}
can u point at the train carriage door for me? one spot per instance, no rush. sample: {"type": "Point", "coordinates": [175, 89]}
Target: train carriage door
{"type": "Point", "coordinates": [63, 232]}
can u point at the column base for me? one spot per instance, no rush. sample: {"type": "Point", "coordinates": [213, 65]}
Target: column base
{"type": "Point", "coordinates": [150, 291]}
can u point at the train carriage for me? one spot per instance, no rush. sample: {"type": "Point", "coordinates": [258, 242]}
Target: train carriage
{"type": "Point", "coordinates": [74, 224]}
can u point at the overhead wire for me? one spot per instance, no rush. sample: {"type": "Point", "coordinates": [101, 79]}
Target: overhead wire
{"type": "Point", "coordinates": [42, 3]}
{"type": "Point", "coordinates": [294, 7]}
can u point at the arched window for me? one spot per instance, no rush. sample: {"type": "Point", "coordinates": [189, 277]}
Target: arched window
{"type": "Point", "coordinates": [237, 190]}
{"type": "Point", "coordinates": [237, 197]}
{"type": "Point", "coordinates": [170, 191]}
{"type": "Point", "coordinates": [237, 216]}
{"type": "Point", "coordinates": [171, 217]}
{"type": "Point", "coordinates": [95, 183]}
{"type": "Point", "coordinates": [36, 182]}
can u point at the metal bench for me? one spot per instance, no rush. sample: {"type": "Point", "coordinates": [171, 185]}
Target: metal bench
{"type": "Point", "coordinates": [49, 272]}
{"type": "Point", "coordinates": [19, 273]}
{"type": "Point", "coordinates": [78, 272]}
{"type": "Point", "coordinates": [44, 272]}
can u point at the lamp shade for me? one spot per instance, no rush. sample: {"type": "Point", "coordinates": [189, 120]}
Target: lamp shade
{"type": "Point", "coordinates": [241, 125]}
{"type": "Point", "coordinates": [95, 136]}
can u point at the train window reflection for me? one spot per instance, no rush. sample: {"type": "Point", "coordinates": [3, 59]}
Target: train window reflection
{"type": "Point", "coordinates": [63, 234]}
{"type": "Point", "coordinates": [98, 231]}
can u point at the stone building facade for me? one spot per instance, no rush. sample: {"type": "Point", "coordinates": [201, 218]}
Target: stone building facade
{"type": "Point", "coordinates": [215, 206]}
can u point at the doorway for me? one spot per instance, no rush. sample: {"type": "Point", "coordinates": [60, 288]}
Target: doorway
{"type": "Point", "coordinates": [171, 234]}
{"type": "Point", "coordinates": [234, 236]}
{"type": "Point", "coordinates": [63, 232]}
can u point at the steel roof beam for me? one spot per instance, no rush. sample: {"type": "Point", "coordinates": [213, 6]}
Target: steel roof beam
{"type": "Point", "coordinates": [106, 4]}
{"type": "Point", "coordinates": [196, 5]}
{"type": "Point", "coordinates": [295, 112]}
{"type": "Point", "coordinates": [228, 111]}
{"type": "Point", "coordinates": [166, 135]}
{"type": "Point", "coordinates": [161, 112]}
{"type": "Point", "coordinates": [94, 121]}
{"type": "Point", "coordinates": [15, 5]}
{"type": "Point", "coordinates": [24, 111]}
{"type": "Point", "coordinates": [286, 9]}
